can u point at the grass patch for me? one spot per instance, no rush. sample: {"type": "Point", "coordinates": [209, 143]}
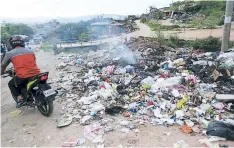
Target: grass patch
{"type": "Point", "coordinates": [209, 44]}
{"type": "Point", "coordinates": [209, 22]}
{"type": "Point", "coordinates": [46, 46]}
{"type": "Point", "coordinates": [155, 25]}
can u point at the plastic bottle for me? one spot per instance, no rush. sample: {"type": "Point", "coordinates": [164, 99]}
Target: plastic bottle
{"type": "Point", "coordinates": [182, 102]}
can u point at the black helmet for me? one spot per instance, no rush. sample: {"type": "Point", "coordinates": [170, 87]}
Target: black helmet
{"type": "Point", "coordinates": [16, 41]}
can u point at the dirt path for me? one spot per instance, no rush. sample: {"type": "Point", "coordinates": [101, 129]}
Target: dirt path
{"type": "Point", "coordinates": [187, 34]}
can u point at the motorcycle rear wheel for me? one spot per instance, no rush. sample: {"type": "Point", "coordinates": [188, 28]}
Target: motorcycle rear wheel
{"type": "Point", "coordinates": [46, 108]}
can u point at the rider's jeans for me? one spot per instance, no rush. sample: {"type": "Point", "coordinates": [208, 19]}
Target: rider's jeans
{"type": "Point", "coordinates": [15, 85]}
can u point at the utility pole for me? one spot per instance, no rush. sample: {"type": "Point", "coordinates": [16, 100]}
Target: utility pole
{"type": "Point", "coordinates": [227, 25]}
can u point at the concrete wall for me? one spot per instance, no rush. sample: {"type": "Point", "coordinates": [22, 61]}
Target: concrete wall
{"type": "Point", "coordinates": [78, 49]}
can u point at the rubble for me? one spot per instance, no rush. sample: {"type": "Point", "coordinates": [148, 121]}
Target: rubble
{"type": "Point", "coordinates": [145, 82]}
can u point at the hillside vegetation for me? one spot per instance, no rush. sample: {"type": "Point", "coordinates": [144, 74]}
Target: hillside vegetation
{"type": "Point", "coordinates": [15, 29]}
{"type": "Point", "coordinates": [201, 14]}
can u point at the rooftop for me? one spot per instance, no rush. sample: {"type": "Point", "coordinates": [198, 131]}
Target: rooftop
{"type": "Point", "coordinates": [106, 24]}
{"type": "Point", "coordinates": [23, 36]}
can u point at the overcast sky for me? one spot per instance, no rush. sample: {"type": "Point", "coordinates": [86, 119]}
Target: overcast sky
{"type": "Point", "coordinates": [71, 8]}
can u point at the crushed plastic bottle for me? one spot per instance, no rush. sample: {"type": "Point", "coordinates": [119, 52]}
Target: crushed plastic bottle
{"type": "Point", "coordinates": [180, 144]}
{"type": "Point", "coordinates": [183, 101]}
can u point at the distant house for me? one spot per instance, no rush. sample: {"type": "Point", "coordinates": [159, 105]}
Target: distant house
{"type": "Point", "coordinates": [121, 21]}
{"type": "Point", "coordinates": [107, 28]}
{"type": "Point", "coordinates": [164, 8]}
{"type": "Point", "coordinates": [23, 36]}
{"type": "Point", "coordinates": [37, 39]}
{"type": "Point", "coordinates": [171, 14]}
{"type": "Point", "coordinates": [167, 13]}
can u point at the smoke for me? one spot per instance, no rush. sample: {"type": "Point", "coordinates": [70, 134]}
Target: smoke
{"type": "Point", "coordinates": [105, 28]}
{"type": "Point", "coordinates": [124, 52]}
{"type": "Point", "coordinates": [120, 52]}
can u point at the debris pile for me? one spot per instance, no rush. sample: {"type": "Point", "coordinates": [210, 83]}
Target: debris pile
{"type": "Point", "coordinates": [145, 82]}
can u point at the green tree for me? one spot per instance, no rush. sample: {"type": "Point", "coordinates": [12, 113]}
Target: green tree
{"type": "Point", "coordinates": [83, 37]}
{"type": "Point", "coordinates": [4, 35]}
{"type": "Point", "coordinates": [71, 31]}
{"type": "Point", "coordinates": [90, 35]}
{"type": "Point", "coordinates": [15, 29]}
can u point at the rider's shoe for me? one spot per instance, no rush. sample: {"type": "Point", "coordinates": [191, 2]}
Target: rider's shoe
{"type": "Point", "coordinates": [20, 103]}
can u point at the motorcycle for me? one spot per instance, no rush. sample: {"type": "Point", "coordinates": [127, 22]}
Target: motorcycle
{"type": "Point", "coordinates": [37, 93]}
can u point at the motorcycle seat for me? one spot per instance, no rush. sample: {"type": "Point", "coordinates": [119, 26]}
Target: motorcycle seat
{"type": "Point", "coordinates": [33, 81]}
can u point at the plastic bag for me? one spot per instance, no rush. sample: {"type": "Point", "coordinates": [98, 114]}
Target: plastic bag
{"type": "Point", "coordinates": [95, 107]}
{"type": "Point", "coordinates": [221, 129]}
{"type": "Point", "coordinates": [227, 63]}
{"type": "Point", "coordinates": [180, 144]}
{"type": "Point", "coordinates": [93, 131]}
{"type": "Point", "coordinates": [148, 81]}
{"type": "Point", "coordinates": [226, 55]}
{"type": "Point", "coordinates": [130, 69]}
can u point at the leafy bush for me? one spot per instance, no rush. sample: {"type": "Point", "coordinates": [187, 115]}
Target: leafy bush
{"type": "Point", "coordinates": [170, 44]}
{"type": "Point", "coordinates": [161, 38]}
{"type": "Point", "coordinates": [143, 20]}
{"type": "Point", "coordinates": [215, 5]}
{"type": "Point", "coordinates": [170, 27]}
{"type": "Point", "coordinates": [15, 29]}
{"type": "Point", "coordinates": [231, 44]}
{"type": "Point", "coordinates": [174, 42]}
{"type": "Point", "coordinates": [153, 24]}
{"type": "Point", "coordinates": [220, 22]}
{"type": "Point", "coordinates": [46, 46]}
{"type": "Point", "coordinates": [159, 15]}
{"type": "Point", "coordinates": [207, 44]}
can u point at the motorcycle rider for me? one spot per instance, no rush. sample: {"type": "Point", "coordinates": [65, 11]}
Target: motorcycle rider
{"type": "Point", "coordinates": [24, 62]}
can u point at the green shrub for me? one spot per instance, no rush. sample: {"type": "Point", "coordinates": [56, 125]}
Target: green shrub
{"type": "Point", "coordinates": [209, 44]}
{"type": "Point", "coordinates": [231, 44]}
{"type": "Point", "coordinates": [209, 22]}
{"type": "Point", "coordinates": [143, 20]}
{"type": "Point", "coordinates": [171, 27]}
{"type": "Point", "coordinates": [154, 25]}
{"type": "Point", "coordinates": [46, 46]}
{"type": "Point", "coordinates": [170, 44]}
{"type": "Point", "coordinates": [159, 15]}
{"type": "Point", "coordinates": [174, 41]}
{"type": "Point", "coordinates": [161, 38]}
{"type": "Point", "coordinates": [220, 22]}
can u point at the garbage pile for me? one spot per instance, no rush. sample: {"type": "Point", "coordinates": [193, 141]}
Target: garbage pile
{"type": "Point", "coordinates": [146, 82]}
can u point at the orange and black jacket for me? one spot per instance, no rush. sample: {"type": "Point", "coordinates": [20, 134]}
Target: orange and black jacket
{"type": "Point", "coordinates": [23, 60]}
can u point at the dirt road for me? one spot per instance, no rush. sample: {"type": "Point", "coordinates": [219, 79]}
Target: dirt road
{"type": "Point", "coordinates": [144, 31]}
{"type": "Point", "coordinates": [187, 34]}
{"type": "Point", "coordinates": [30, 128]}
